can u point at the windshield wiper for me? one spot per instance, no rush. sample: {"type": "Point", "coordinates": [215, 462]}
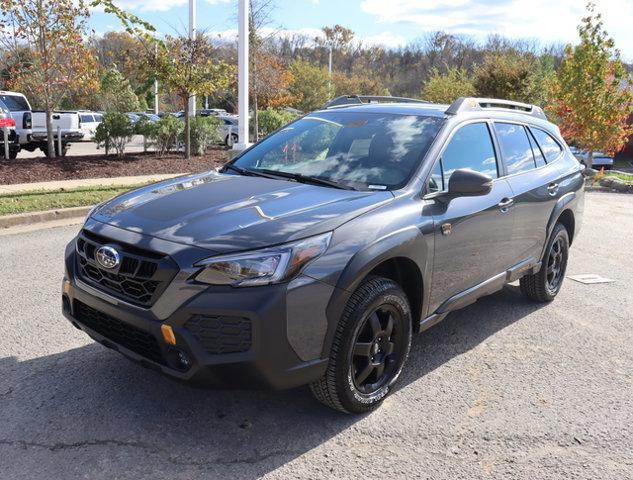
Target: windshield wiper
{"type": "Point", "coordinates": [245, 172]}
{"type": "Point", "coordinates": [299, 177]}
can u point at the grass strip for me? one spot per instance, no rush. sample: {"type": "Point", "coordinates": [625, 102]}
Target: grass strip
{"type": "Point", "coordinates": [40, 200]}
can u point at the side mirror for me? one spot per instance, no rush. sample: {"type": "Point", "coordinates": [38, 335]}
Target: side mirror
{"type": "Point", "coordinates": [468, 183]}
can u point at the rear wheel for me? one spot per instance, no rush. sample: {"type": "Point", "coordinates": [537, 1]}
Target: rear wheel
{"type": "Point", "coordinates": [544, 285]}
{"type": "Point", "coordinates": [370, 346]}
{"type": "Point", "coordinates": [231, 140]}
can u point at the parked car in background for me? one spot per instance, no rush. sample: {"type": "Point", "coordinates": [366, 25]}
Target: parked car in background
{"type": "Point", "coordinates": [206, 112]}
{"type": "Point", "coordinates": [68, 123]}
{"type": "Point", "coordinates": [313, 256]}
{"type": "Point", "coordinates": [150, 116]}
{"type": "Point", "coordinates": [228, 130]}
{"type": "Point", "coordinates": [89, 123]}
{"type": "Point", "coordinates": [600, 159]}
{"type": "Point", "coordinates": [20, 110]}
{"type": "Point", "coordinates": [134, 117]}
{"type": "Point", "coordinates": [8, 123]}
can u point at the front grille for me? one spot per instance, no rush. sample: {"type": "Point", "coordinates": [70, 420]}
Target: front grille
{"type": "Point", "coordinates": [140, 278]}
{"type": "Point", "coordinates": [221, 334]}
{"type": "Point", "coordinates": [122, 333]}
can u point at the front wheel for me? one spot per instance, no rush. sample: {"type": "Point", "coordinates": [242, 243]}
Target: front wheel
{"type": "Point", "coordinates": [544, 285]}
{"type": "Point", "coordinates": [371, 344]}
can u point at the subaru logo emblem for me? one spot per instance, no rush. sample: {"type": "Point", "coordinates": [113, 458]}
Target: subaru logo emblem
{"type": "Point", "coordinates": [108, 257]}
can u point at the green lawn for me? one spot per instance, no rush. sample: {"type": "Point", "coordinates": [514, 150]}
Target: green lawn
{"type": "Point", "coordinates": [39, 200]}
{"type": "Point", "coordinates": [627, 177]}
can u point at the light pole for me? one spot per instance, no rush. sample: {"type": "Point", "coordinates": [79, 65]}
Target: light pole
{"type": "Point", "coordinates": [192, 37]}
{"type": "Point", "coordinates": [242, 64]}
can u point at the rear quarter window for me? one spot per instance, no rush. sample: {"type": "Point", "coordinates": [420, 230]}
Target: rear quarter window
{"type": "Point", "coordinates": [15, 103]}
{"type": "Point", "coordinates": [550, 147]}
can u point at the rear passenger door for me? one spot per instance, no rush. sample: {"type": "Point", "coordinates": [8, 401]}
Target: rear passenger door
{"type": "Point", "coordinates": [533, 183]}
{"type": "Point", "coordinates": [472, 235]}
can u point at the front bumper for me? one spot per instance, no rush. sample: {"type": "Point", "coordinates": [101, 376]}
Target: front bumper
{"type": "Point", "coordinates": [258, 320]}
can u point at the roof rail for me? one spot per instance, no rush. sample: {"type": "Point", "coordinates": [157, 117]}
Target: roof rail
{"type": "Point", "coordinates": [345, 100]}
{"type": "Point", "coordinates": [470, 104]}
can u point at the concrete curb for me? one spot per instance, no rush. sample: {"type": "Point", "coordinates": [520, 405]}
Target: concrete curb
{"type": "Point", "coordinates": [32, 218]}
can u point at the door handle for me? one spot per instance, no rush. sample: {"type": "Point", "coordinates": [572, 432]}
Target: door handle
{"type": "Point", "coordinates": [552, 188]}
{"type": "Point", "coordinates": [505, 204]}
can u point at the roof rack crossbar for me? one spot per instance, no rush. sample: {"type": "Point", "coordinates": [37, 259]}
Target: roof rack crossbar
{"type": "Point", "coordinates": [345, 100]}
{"type": "Point", "coordinates": [470, 104]}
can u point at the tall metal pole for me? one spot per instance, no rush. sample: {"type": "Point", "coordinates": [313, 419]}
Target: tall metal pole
{"type": "Point", "coordinates": [156, 102]}
{"type": "Point", "coordinates": [192, 36]}
{"type": "Point", "coordinates": [242, 88]}
{"type": "Point", "coordinates": [330, 62]}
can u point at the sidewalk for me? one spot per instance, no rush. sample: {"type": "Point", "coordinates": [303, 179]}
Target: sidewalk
{"type": "Point", "coordinates": [88, 182]}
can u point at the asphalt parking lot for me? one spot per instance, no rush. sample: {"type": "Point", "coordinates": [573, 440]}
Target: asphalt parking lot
{"type": "Point", "coordinates": [502, 389]}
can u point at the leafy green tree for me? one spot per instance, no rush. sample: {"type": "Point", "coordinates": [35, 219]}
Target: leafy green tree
{"type": "Point", "coordinates": [184, 67]}
{"type": "Point", "coordinates": [357, 84]}
{"type": "Point", "coordinates": [116, 93]}
{"type": "Point", "coordinates": [507, 75]}
{"type": "Point", "coordinates": [591, 95]}
{"type": "Point", "coordinates": [271, 119]}
{"type": "Point", "coordinates": [445, 88]}
{"type": "Point", "coordinates": [310, 87]}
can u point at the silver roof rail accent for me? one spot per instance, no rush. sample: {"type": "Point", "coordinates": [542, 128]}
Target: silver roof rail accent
{"type": "Point", "coordinates": [345, 100]}
{"type": "Point", "coordinates": [470, 104]}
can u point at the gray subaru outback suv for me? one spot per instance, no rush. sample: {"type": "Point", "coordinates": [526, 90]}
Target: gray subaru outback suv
{"type": "Point", "coordinates": [314, 256]}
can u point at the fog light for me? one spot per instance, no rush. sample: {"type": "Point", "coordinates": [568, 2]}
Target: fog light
{"type": "Point", "coordinates": [168, 334]}
{"type": "Point", "coordinates": [66, 286]}
{"type": "Point", "coordinates": [183, 359]}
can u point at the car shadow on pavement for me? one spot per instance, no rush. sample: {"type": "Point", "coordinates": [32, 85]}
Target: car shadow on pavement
{"type": "Point", "coordinates": [90, 398]}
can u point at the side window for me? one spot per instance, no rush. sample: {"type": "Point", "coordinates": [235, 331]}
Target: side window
{"type": "Point", "coordinates": [536, 150]}
{"type": "Point", "coordinates": [471, 147]}
{"type": "Point", "coordinates": [86, 118]}
{"type": "Point", "coordinates": [550, 147]}
{"type": "Point", "coordinates": [98, 117]}
{"type": "Point", "coordinates": [515, 145]}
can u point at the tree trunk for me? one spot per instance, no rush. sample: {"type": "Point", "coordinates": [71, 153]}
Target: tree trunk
{"type": "Point", "coordinates": [50, 141]}
{"type": "Point", "coordinates": [187, 131]}
{"type": "Point", "coordinates": [589, 161]}
{"type": "Point", "coordinates": [256, 118]}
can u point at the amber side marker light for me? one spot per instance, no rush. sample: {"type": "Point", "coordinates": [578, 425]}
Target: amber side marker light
{"type": "Point", "coordinates": [168, 334]}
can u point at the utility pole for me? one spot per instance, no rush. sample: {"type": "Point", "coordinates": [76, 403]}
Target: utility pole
{"type": "Point", "coordinates": [192, 37]}
{"type": "Point", "coordinates": [242, 63]}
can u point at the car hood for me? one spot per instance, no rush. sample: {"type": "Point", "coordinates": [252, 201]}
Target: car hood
{"type": "Point", "coordinates": [225, 213]}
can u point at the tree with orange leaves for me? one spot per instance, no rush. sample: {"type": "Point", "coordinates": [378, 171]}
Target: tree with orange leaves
{"type": "Point", "coordinates": [591, 93]}
{"type": "Point", "coordinates": [52, 31]}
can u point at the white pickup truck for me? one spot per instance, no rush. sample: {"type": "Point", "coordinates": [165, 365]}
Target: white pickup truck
{"type": "Point", "coordinates": [31, 125]}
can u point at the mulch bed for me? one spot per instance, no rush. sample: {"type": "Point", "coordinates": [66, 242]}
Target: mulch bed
{"type": "Point", "coordinates": [42, 169]}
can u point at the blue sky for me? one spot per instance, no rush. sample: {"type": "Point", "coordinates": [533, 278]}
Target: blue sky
{"type": "Point", "coordinates": [395, 22]}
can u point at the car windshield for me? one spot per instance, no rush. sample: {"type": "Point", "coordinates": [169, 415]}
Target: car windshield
{"type": "Point", "coordinates": [358, 149]}
{"type": "Point", "coordinates": [15, 103]}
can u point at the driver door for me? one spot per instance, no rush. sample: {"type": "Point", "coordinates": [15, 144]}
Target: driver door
{"type": "Point", "coordinates": [472, 235]}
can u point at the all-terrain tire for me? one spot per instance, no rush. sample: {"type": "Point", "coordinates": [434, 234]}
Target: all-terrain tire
{"type": "Point", "coordinates": [336, 388]}
{"type": "Point", "coordinates": [536, 286]}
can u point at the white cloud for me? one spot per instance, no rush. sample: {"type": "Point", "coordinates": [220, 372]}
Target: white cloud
{"type": "Point", "coordinates": [547, 20]}
{"type": "Point", "coordinates": [384, 39]}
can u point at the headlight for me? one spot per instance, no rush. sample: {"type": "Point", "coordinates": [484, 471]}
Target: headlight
{"type": "Point", "coordinates": [262, 267]}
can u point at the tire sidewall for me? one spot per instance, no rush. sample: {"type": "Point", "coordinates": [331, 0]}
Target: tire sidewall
{"type": "Point", "coordinates": [559, 231]}
{"type": "Point", "coordinates": [353, 399]}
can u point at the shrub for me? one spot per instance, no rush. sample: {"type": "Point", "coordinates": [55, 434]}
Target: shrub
{"type": "Point", "coordinates": [271, 119]}
{"type": "Point", "coordinates": [205, 131]}
{"type": "Point", "coordinates": [114, 131]}
{"type": "Point", "coordinates": [166, 133]}
{"type": "Point", "coordinates": [147, 128]}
